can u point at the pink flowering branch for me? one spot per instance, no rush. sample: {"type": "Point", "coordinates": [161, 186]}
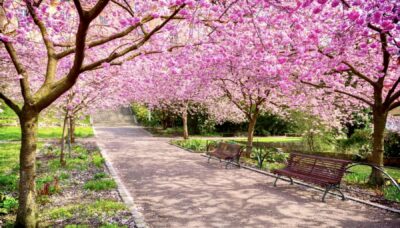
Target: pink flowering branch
{"type": "Point", "coordinates": [321, 86]}
{"type": "Point", "coordinates": [117, 54]}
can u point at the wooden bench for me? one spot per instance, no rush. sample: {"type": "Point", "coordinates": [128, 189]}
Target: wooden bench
{"type": "Point", "coordinates": [226, 151]}
{"type": "Point", "coordinates": [322, 171]}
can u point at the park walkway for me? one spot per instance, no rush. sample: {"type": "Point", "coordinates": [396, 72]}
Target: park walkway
{"type": "Point", "coordinates": [176, 188]}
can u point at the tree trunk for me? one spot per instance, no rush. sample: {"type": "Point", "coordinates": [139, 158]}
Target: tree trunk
{"type": "Point", "coordinates": [62, 160]}
{"type": "Point", "coordinates": [379, 120]}
{"type": "Point", "coordinates": [72, 128]}
{"type": "Point", "coordinates": [250, 134]}
{"type": "Point", "coordinates": [185, 125]}
{"type": "Point", "coordinates": [26, 215]}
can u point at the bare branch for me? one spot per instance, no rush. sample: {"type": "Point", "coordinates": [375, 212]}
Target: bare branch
{"type": "Point", "coordinates": [78, 7]}
{"type": "Point", "coordinates": [11, 104]}
{"type": "Point", "coordinates": [394, 105]}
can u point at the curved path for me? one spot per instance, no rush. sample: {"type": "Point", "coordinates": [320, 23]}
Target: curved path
{"type": "Point", "coordinates": [175, 188]}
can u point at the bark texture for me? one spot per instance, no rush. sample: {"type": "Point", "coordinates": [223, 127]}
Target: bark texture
{"type": "Point", "coordinates": [185, 125]}
{"type": "Point", "coordinates": [27, 211]}
{"type": "Point", "coordinates": [379, 121]}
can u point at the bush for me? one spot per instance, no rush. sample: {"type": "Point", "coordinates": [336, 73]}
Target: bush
{"type": "Point", "coordinates": [358, 143]}
{"type": "Point", "coordinates": [392, 144]}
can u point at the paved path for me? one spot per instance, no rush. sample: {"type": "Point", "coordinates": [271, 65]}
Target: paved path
{"type": "Point", "coordinates": [176, 188]}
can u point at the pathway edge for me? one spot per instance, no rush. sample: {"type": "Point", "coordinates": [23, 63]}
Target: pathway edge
{"type": "Point", "coordinates": [123, 192]}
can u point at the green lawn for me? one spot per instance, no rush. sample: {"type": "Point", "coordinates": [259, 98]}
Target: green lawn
{"type": "Point", "coordinates": [273, 139]}
{"type": "Point", "coordinates": [14, 133]}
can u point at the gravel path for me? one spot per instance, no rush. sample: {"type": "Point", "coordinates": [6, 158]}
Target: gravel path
{"type": "Point", "coordinates": [175, 188]}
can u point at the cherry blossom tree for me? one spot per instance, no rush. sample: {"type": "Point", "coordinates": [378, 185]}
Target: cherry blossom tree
{"type": "Point", "coordinates": [353, 49]}
{"type": "Point", "coordinates": [168, 82]}
{"type": "Point", "coordinates": [47, 45]}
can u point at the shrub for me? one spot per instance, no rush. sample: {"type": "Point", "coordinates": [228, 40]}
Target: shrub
{"type": "Point", "coordinates": [358, 143]}
{"type": "Point", "coordinates": [392, 144]}
{"type": "Point", "coordinates": [8, 204]}
{"type": "Point", "coordinates": [100, 185]}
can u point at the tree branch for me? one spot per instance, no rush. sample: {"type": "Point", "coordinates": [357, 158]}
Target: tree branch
{"type": "Point", "coordinates": [51, 60]}
{"type": "Point", "coordinates": [394, 105]}
{"type": "Point", "coordinates": [24, 82]}
{"type": "Point", "coordinates": [106, 39]}
{"type": "Point", "coordinates": [49, 93]}
{"type": "Point", "coordinates": [339, 91]}
{"type": "Point", "coordinates": [11, 104]}
{"type": "Point", "coordinates": [115, 55]}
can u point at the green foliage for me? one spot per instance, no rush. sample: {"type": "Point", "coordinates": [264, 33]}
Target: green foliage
{"type": "Point", "coordinates": [8, 182]}
{"type": "Point", "coordinates": [63, 212]}
{"type": "Point", "coordinates": [100, 175]}
{"type": "Point", "coordinates": [64, 176]}
{"type": "Point", "coordinates": [391, 193]}
{"type": "Point", "coordinates": [359, 175]}
{"type": "Point", "coordinates": [14, 132]}
{"type": "Point", "coordinates": [144, 116]}
{"type": "Point", "coordinates": [47, 185]}
{"type": "Point", "coordinates": [76, 226]}
{"type": "Point", "coordinates": [98, 160]}
{"type": "Point", "coordinates": [8, 204]}
{"type": "Point", "coordinates": [198, 145]}
{"type": "Point", "coordinates": [271, 124]}
{"type": "Point", "coordinates": [269, 154]}
{"type": "Point", "coordinates": [359, 143]}
{"type": "Point", "coordinates": [108, 207]}
{"type": "Point", "coordinates": [392, 144]}
{"type": "Point", "coordinates": [112, 226]}
{"type": "Point", "coordinates": [100, 184]}
{"type": "Point", "coordinates": [9, 159]}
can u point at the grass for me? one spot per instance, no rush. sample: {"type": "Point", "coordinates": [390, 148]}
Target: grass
{"type": "Point", "coordinates": [9, 163]}
{"type": "Point", "coordinates": [200, 144]}
{"type": "Point", "coordinates": [100, 184]}
{"type": "Point", "coordinates": [94, 209]}
{"type": "Point", "coordinates": [14, 132]}
{"type": "Point", "coordinates": [98, 160]}
{"type": "Point", "coordinates": [272, 139]}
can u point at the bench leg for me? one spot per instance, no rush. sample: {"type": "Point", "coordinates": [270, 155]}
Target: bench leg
{"type": "Point", "coordinates": [209, 158]}
{"type": "Point", "coordinates": [328, 188]}
{"type": "Point", "coordinates": [291, 181]}
{"type": "Point", "coordinates": [277, 177]}
{"type": "Point", "coordinates": [227, 163]}
{"type": "Point", "coordinates": [341, 193]}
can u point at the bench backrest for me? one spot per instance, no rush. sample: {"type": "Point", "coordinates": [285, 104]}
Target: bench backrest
{"type": "Point", "coordinates": [229, 148]}
{"type": "Point", "coordinates": [317, 166]}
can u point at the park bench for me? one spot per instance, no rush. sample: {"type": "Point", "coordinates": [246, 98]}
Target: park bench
{"type": "Point", "coordinates": [322, 171]}
{"type": "Point", "coordinates": [226, 151]}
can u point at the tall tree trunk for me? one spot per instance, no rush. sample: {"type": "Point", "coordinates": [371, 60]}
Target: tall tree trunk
{"type": "Point", "coordinates": [185, 124]}
{"type": "Point", "coordinates": [72, 128]}
{"type": "Point", "coordinates": [26, 215]}
{"type": "Point", "coordinates": [250, 134]}
{"type": "Point", "coordinates": [62, 159]}
{"type": "Point", "coordinates": [379, 121]}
